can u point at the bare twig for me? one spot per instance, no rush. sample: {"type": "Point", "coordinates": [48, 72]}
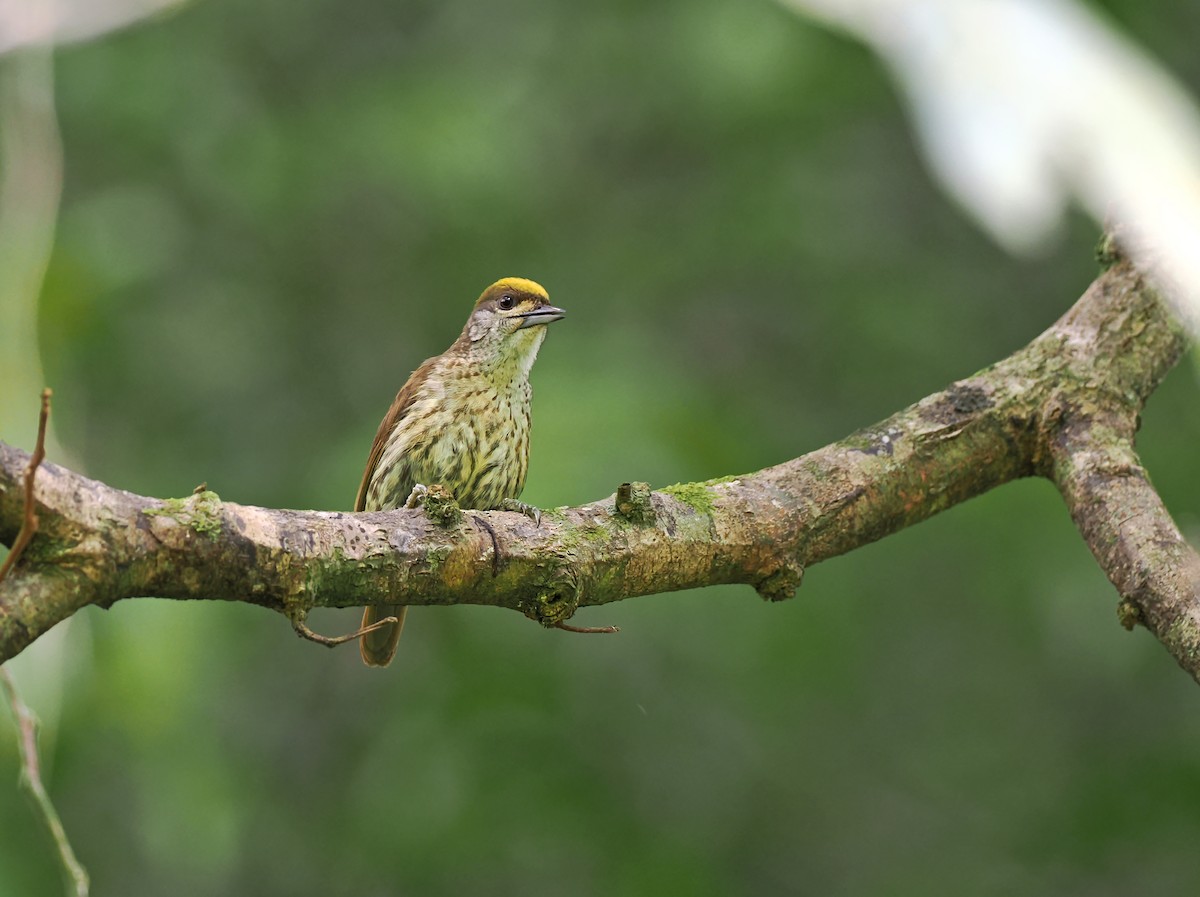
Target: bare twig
{"type": "Point", "coordinates": [31, 776]}
{"type": "Point", "coordinates": [31, 770]}
{"type": "Point", "coordinates": [29, 524]}
{"type": "Point", "coordinates": [333, 641]}
{"type": "Point", "coordinates": [565, 627]}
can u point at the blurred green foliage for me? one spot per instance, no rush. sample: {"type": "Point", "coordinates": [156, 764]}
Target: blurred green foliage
{"type": "Point", "coordinates": [274, 211]}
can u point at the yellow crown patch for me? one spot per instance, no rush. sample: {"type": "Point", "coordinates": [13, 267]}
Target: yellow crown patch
{"type": "Point", "coordinates": [519, 285]}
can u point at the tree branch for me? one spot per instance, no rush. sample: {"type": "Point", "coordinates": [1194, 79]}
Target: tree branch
{"type": "Point", "coordinates": [1050, 409]}
{"type": "Point", "coordinates": [1107, 491]}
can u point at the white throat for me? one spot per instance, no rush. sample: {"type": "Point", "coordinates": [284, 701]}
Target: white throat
{"type": "Point", "coordinates": [512, 366]}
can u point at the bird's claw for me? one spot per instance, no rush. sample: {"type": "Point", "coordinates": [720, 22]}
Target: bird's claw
{"type": "Point", "coordinates": [534, 514]}
{"type": "Point", "coordinates": [437, 502]}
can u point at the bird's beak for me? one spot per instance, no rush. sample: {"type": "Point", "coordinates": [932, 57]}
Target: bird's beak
{"type": "Point", "coordinates": [547, 314]}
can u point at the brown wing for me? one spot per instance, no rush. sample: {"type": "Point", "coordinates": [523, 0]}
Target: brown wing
{"type": "Point", "coordinates": [401, 404]}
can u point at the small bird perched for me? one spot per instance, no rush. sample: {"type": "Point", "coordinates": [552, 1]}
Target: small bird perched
{"type": "Point", "coordinates": [461, 421]}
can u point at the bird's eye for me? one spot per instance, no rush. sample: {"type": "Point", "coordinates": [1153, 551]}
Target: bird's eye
{"type": "Point", "coordinates": [506, 302]}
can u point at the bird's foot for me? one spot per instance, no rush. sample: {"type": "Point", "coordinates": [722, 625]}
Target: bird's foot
{"type": "Point", "coordinates": [438, 503]}
{"type": "Point", "coordinates": [534, 514]}
{"type": "Point", "coordinates": [441, 506]}
{"type": "Point", "coordinates": [417, 497]}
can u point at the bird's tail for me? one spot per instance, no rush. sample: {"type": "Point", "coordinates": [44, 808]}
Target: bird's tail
{"type": "Point", "coordinates": [378, 647]}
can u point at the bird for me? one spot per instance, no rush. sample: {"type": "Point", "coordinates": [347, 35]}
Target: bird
{"type": "Point", "coordinates": [461, 421]}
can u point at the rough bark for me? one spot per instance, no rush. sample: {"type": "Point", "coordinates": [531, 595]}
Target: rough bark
{"type": "Point", "coordinates": [1065, 407]}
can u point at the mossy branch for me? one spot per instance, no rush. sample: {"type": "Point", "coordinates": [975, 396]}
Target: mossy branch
{"type": "Point", "coordinates": [1065, 407]}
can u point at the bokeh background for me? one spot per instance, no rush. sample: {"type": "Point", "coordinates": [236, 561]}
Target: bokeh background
{"type": "Point", "coordinates": [273, 212]}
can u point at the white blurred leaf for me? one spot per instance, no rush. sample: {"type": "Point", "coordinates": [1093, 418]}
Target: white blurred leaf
{"type": "Point", "coordinates": [26, 23]}
{"type": "Point", "coordinates": [1024, 106]}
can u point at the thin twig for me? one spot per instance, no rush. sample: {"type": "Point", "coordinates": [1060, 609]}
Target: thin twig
{"type": "Point", "coordinates": [30, 524]}
{"type": "Point", "coordinates": [31, 776]}
{"type": "Point", "coordinates": [587, 629]}
{"type": "Point", "coordinates": [333, 641]}
{"type": "Point", "coordinates": [31, 768]}
{"type": "Point", "coordinates": [479, 521]}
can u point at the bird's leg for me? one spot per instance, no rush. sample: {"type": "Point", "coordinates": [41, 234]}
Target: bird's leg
{"type": "Point", "coordinates": [534, 514]}
{"type": "Point", "coordinates": [416, 498]}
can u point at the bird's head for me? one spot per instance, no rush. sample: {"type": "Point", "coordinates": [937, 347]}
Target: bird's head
{"type": "Point", "coordinates": [508, 322]}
